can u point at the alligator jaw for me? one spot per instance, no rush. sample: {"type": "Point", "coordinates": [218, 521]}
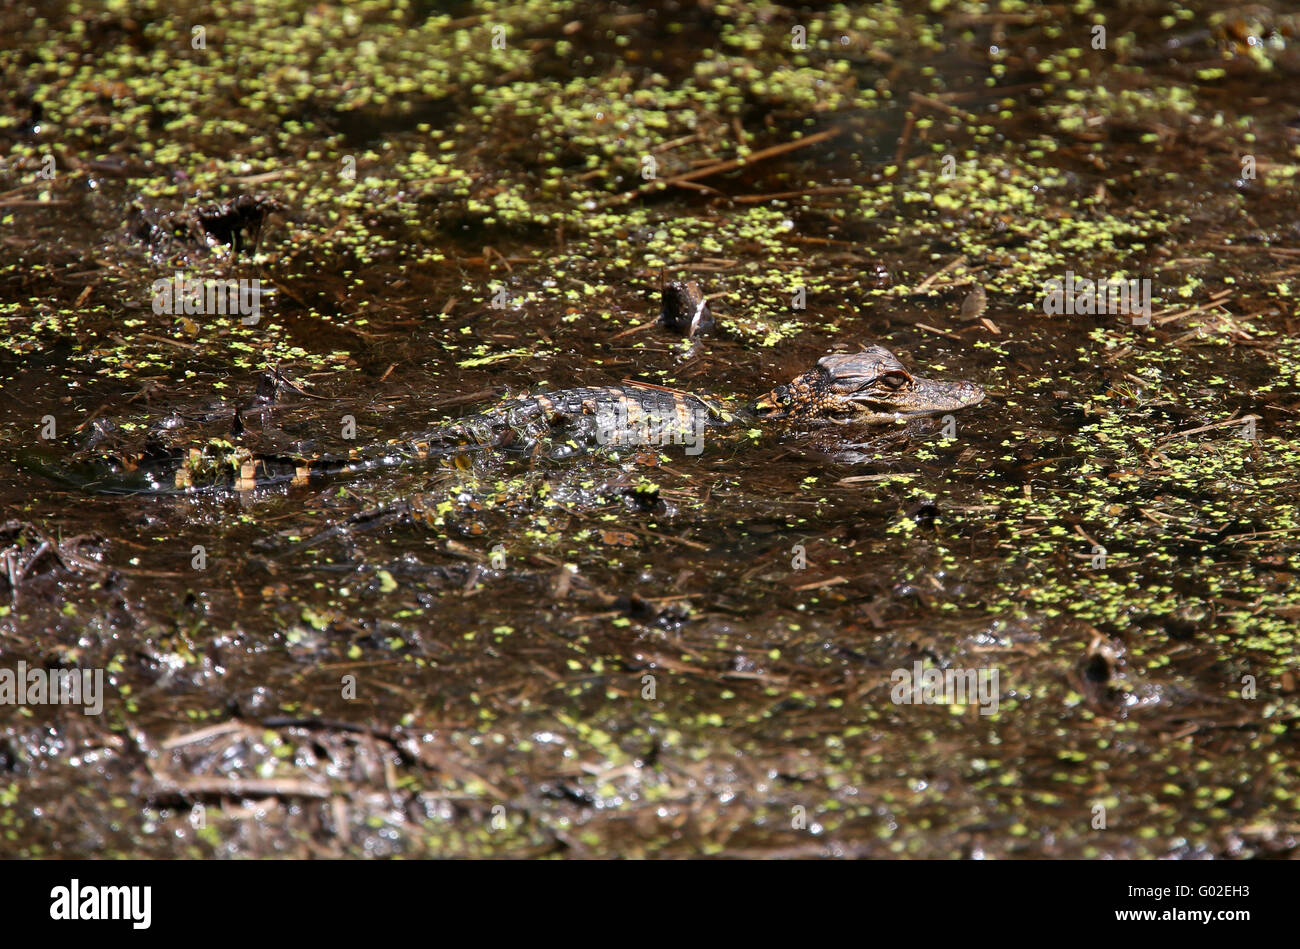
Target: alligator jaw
{"type": "Point", "coordinates": [923, 397]}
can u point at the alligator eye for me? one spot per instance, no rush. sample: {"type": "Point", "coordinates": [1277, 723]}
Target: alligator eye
{"type": "Point", "coordinates": [894, 380]}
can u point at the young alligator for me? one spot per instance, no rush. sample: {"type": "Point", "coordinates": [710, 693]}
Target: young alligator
{"type": "Point", "coordinates": [870, 386]}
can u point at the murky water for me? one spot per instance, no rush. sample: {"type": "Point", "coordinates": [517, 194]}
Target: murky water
{"type": "Point", "coordinates": [654, 652]}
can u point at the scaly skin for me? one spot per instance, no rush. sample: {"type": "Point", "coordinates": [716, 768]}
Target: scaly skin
{"type": "Point", "coordinates": [870, 386]}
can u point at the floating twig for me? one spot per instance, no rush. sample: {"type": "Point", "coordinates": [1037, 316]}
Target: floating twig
{"type": "Point", "coordinates": [724, 166]}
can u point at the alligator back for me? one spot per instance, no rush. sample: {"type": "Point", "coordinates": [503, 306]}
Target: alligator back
{"type": "Point", "coordinates": [569, 421]}
{"type": "Point", "coordinates": [629, 415]}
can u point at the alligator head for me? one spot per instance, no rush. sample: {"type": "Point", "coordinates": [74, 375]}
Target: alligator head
{"type": "Point", "coordinates": [870, 386]}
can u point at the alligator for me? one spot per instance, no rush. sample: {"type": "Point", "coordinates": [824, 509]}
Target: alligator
{"type": "Point", "coordinates": [871, 386]}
